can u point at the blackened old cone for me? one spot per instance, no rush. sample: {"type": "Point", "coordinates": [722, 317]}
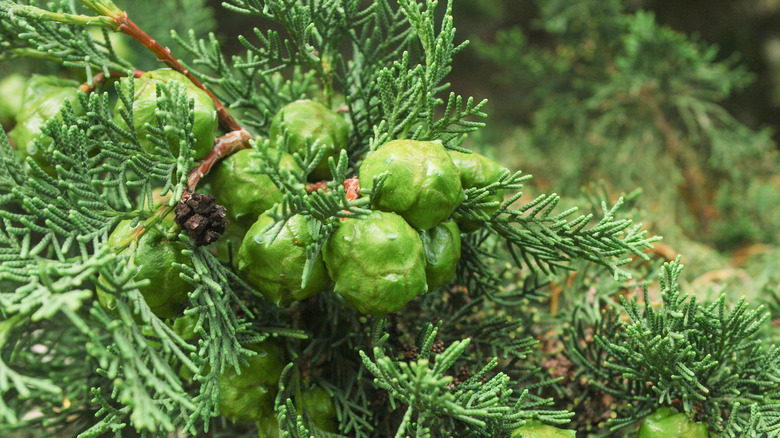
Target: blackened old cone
{"type": "Point", "coordinates": [201, 217]}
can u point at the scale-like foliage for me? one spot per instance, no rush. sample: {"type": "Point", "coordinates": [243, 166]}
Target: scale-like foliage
{"type": "Point", "coordinates": [387, 63]}
{"type": "Point", "coordinates": [705, 359]}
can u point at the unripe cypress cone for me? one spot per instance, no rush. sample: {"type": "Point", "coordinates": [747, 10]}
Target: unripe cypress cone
{"type": "Point", "coordinates": [249, 396]}
{"type": "Point", "coordinates": [145, 104]}
{"type": "Point", "coordinates": [246, 195]}
{"type": "Point", "coordinates": [184, 326]}
{"type": "Point", "coordinates": [477, 171]}
{"type": "Point", "coordinates": [318, 405]}
{"type": "Point", "coordinates": [267, 427]}
{"type": "Point", "coordinates": [377, 263]}
{"type": "Point", "coordinates": [668, 423]}
{"type": "Point", "coordinates": [154, 255]}
{"type": "Point", "coordinates": [442, 252]}
{"type": "Point", "coordinates": [537, 429]}
{"type": "Point", "coordinates": [12, 92]}
{"type": "Point", "coordinates": [307, 120]}
{"type": "Point", "coordinates": [44, 97]}
{"type": "Point", "coordinates": [423, 186]}
{"type": "Point", "coordinates": [276, 268]}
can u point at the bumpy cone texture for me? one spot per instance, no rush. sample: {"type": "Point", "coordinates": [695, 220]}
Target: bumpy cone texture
{"type": "Point", "coordinates": [537, 429]}
{"type": "Point", "coordinates": [442, 252]}
{"type": "Point", "coordinates": [377, 263]}
{"type": "Point", "coordinates": [276, 267]}
{"type": "Point", "coordinates": [249, 396]}
{"type": "Point", "coordinates": [145, 104]}
{"type": "Point", "coordinates": [319, 408]}
{"type": "Point", "coordinates": [668, 423]}
{"type": "Point", "coordinates": [203, 220]}
{"type": "Point", "coordinates": [307, 120]}
{"type": "Point", "coordinates": [12, 92]}
{"type": "Point", "coordinates": [477, 171]}
{"type": "Point", "coordinates": [42, 100]}
{"type": "Point", "coordinates": [154, 255]}
{"type": "Point", "coordinates": [244, 193]}
{"type": "Point", "coordinates": [267, 427]}
{"type": "Point", "coordinates": [423, 186]}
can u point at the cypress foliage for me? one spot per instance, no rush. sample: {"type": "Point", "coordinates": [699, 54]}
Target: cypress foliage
{"type": "Point", "coordinates": [466, 359]}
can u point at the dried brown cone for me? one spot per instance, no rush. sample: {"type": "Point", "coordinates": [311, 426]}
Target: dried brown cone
{"type": "Point", "coordinates": [201, 217]}
{"type": "Point", "coordinates": [438, 347]}
{"type": "Point", "coordinates": [464, 373]}
{"type": "Point", "coordinates": [409, 352]}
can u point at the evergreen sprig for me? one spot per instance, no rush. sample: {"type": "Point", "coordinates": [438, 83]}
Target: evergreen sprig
{"type": "Point", "coordinates": [57, 33]}
{"type": "Point", "coordinates": [544, 240]}
{"type": "Point", "coordinates": [482, 405]}
{"type": "Point", "coordinates": [391, 83]}
{"type": "Point", "coordinates": [100, 169]}
{"type": "Point", "coordinates": [704, 359]}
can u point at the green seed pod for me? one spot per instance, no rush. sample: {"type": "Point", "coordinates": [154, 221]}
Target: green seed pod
{"type": "Point", "coordinates": [154, 255]}
{"type": "Point", "coordinates": [267, 427]}
{"type": "Point", "coordinates": [318, 406]}
{"type": "Point", "coordinates": [378, 263]}
{"type": "Point", "coordinates": [276, 270]}
{"type": "Point", "coordinates": [307, 120]}
{"type": "Point", "coordinates": [184, 326]}
{"type": "Point", "coordinates": [145, 104]}
{"type": "Point", "coordinates": [244, 194]}
{"type": "Point", "coordinates": [477, 171]}
{"type": "Point", "coordinates": [442, 252]}
{"type": "Point", "coordinates": [668, 423]}
{"type": "Point", "coordinates": [44, 97]}
{"type": "Point", "coordinates": [249, 396]}
{"type": "Point", "coordinates": [12, 90]}
{"type": "Point", "coordinates": [423, 185]}
{"type": "Point", "coordinates": [228, 245]}
{"type": "Point", "coordinates": [537, 429]}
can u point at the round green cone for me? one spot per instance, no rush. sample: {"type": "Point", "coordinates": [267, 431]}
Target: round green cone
{"type": "Point", "coordinates": [318, 406]}
{"type": "Point", "coordinates": [307, 120]}
{"type": "Point", "coordinates": [44, 97]}
{"type": "Point", "coordinates": [249, 396]}
{"type": "Point", "coordinates": [668, 423]}
{"type": "Point", "coordinates": [442, 252]}
{"type": "Point", "coordinates": [377, 263]}
{"type": "Point", "coordinates": [154, 255]}
{"type": "Point", "coordinates": [145, 104]}
{"type": "Point", "coordinates": [244, 193]}
{"type": "Point", "coordinates": [423, 186]}
{"type": "Point", "coordinates": [477, 171]}
{"type": "Point", "coordinates": [276, 270]}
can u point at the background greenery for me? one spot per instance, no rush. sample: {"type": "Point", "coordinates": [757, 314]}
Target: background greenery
{"type": "Point", "coordinates": [641, 94]}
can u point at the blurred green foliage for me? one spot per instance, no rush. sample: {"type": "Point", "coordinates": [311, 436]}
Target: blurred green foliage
{"type": "Point", "coordinates": [601, 91]}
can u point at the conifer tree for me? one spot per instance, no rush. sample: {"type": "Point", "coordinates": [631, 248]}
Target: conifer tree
{"type": "Point", "coordinates": [132, 304]}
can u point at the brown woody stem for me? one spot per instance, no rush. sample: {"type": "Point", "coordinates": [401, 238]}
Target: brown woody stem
{"type": "Point", "coordinates": [223, 146]}
{"type": "Point", "coordinates": [126, 26]}
{"type": "Point", "coordinates": [143, 227]}
{"type": "Point", "coordinates": [100, 78]}
{"type": "Point", "coordinates": [237, 137]}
